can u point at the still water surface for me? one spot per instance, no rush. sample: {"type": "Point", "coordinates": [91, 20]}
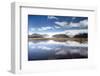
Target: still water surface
{"type": "Point", "coordinates": [50, 49]}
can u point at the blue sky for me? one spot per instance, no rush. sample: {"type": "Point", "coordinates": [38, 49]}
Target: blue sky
{"type": "Point", "coordinates": [56, 24]}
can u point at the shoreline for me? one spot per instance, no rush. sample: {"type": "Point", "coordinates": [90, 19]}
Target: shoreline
{"type": "Point", "coordinates": [61, 39]}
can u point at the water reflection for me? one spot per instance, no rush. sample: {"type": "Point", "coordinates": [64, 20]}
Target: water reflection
{"type": "Point", "coordinates": [50, 49]}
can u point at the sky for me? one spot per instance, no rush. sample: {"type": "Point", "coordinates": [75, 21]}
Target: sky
{"type": "Point", "coordinates": [44, 24]}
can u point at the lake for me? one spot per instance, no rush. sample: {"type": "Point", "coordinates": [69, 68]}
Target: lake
{"type": "Point", "coordinates": [51, 50]}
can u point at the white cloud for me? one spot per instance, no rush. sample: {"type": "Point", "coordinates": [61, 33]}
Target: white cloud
{"type": "Point", "coordinates": [44, 28]}
{"type": "Point", "coordinates": [72, 33]}
{"type": "Point", "coordinates": [57, 27]}
{"type": "Point", "coordinates": [74, 24]}
{"type": "Point", "coordinates": [52, 17]}
{"type": "Point", "coordinates": [84, 23]}
{"type": "Point", "coordinates": [64, 23]}
{"type": "Point", "coordinates": [32, 29]}
{"type": "Point", "coordinates": [30, 33]}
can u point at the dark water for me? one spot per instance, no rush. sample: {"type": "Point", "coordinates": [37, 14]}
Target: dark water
{"type": "Point", "coordinates": [49, 50]}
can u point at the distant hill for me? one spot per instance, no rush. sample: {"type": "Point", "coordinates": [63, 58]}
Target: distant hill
{"type": "Point", "coordinates": [36, 36]}
{"type": "Point", "coordinates": [81, 35]}
{"type": "Point", "coordinates": [60, 36]}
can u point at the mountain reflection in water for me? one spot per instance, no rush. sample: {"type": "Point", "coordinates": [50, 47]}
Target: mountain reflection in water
{"type": "Point", "coordinates": [51, 49]}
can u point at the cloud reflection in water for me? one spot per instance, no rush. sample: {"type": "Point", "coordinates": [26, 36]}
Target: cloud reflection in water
{"type": "Point", "coordinates": [46, 50]}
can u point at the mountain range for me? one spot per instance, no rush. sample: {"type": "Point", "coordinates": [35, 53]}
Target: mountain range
{"type": "Point", "coordinates": [80, 35]}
